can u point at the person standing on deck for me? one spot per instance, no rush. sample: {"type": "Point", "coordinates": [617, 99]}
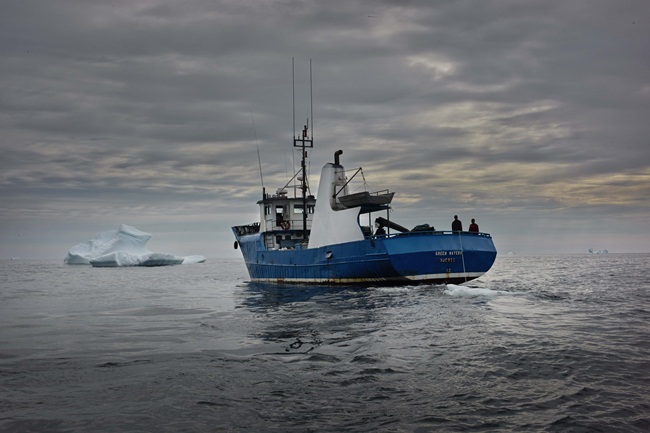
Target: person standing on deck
{"type": "Point", "coordinates": [456, 225]}
{"type": "Point", "coordinates": [473, 227]}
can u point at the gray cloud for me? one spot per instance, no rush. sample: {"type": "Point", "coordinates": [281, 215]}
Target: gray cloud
{"type": "Point", "coordinates": [521, 114]}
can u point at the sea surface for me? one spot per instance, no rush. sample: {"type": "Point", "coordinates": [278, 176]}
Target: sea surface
{"type": "Point", "coordinates": [538, 344]}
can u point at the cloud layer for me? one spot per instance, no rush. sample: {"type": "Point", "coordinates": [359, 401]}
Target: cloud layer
{"type": "Point", "coordinates": [530, 116]}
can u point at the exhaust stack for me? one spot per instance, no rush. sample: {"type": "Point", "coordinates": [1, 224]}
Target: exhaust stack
{"type": "Point", "coordinates": [336, 156]}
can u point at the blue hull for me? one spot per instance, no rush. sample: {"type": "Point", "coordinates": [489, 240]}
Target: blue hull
{"type": "Point", "coordinates": [410, 258]}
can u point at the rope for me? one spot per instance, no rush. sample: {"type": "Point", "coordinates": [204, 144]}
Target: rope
{"type": "Point", "coordinates": [462, 255]}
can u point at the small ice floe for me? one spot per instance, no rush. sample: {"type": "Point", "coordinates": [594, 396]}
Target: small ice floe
{"type": "Point", "coordinates": [123, 247]}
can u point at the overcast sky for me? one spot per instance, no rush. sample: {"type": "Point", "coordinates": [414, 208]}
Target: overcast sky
{"type": "Point", "coordinates": [531, 116]}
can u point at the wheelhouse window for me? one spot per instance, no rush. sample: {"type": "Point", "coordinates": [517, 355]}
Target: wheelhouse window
{"type": "Point", "coordinates": [297, 208]}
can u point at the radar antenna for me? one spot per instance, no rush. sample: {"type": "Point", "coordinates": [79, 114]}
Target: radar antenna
{"type": "Point", "coordinates": [303, 141]}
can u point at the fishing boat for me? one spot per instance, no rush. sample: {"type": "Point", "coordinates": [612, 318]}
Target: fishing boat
{"type": "Point", "coordinates": [303, 240]}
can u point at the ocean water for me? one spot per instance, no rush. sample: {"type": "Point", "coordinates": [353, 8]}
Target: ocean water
{"type": "Point", "coordinates": [539, 344]}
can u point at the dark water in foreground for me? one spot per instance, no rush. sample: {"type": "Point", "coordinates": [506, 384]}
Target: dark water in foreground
{"type": "Point", "coordinates": [548, 343]}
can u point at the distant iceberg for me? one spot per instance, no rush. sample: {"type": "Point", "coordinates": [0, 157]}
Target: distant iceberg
{"type": "Point", "coordinates": [123, 247]}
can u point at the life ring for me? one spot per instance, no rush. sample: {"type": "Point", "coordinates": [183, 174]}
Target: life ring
{"type": "Point", "coordinates": [286, 225]}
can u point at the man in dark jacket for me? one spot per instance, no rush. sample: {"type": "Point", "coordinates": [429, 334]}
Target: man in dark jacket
{"type": "Point", "coordinates": [456, 225]}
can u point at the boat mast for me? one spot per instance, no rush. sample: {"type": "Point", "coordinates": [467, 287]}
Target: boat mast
{"type": "Point", "coordinates": [303, 141]}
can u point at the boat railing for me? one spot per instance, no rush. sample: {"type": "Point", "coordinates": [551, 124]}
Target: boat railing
{"type": "Point", "coordinates": [434, 232]}
{"type": "Point", "coordinates": [286, 224]}
{"type": "Point", "coordinates": [247, 229]}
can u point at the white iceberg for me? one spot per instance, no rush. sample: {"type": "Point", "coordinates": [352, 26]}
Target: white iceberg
{"type": "Point", "coordinates": [123, 247]}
